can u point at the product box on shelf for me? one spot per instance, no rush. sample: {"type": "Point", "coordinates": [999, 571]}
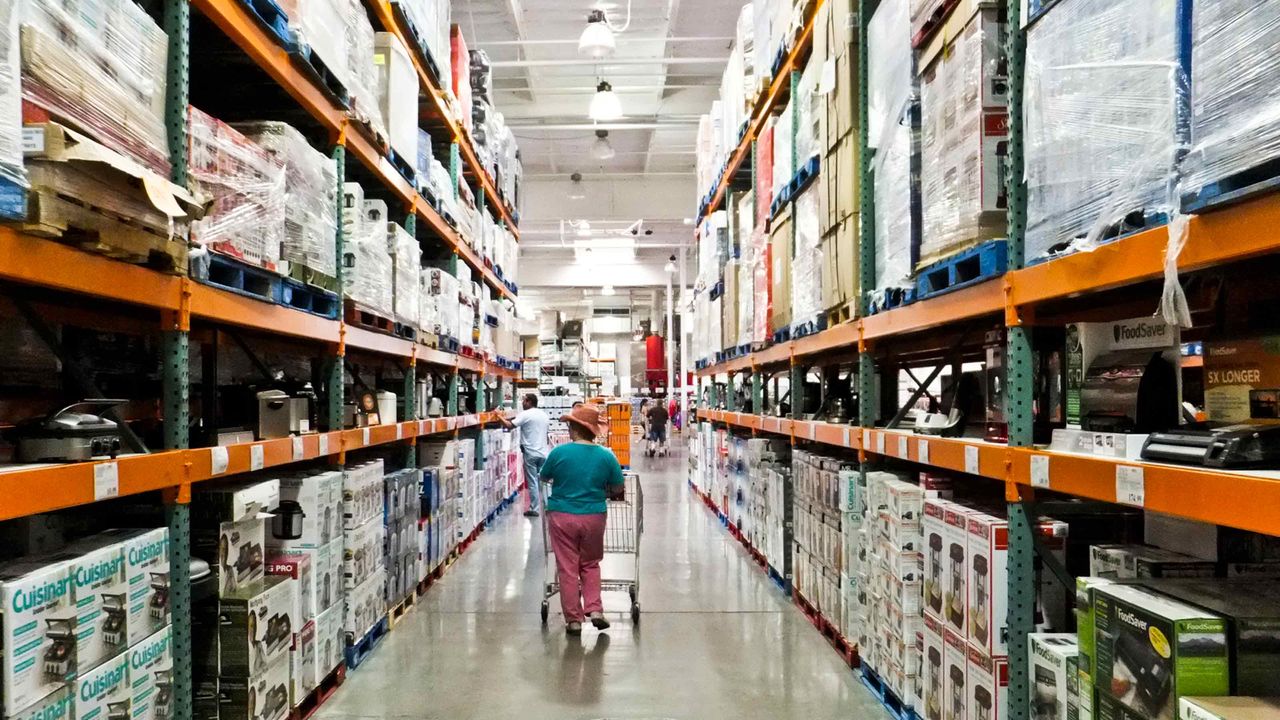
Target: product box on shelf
{"type": "Point", "coordinates": [104, 689]}
{"type": "Point", "coordinates": [365, 605]}
{"type": "Point", "coordinates": [146, 562]}
{"type": "Point", "coordinates": [955, 668]}
{"type": "Point", "coordinates": [1052, 675]}
{"type": "Point", "coordinates": [101, 590]}
{"type": "Point", "coordinates": [256, 626]}
{"type": "Point", "coordinates": [936, 556]}
{"type": "Point", "coordinates": [331, 642]}
{"type": "Point", "coordinates": [397, 92]}
{"type": "Point", "coordinates": [299, 568]}
{"type": "Point", "coordinates": [303, 661]}
{"type": "Point", "coordinates": [1152, 649]}
{"type": "Point", "coordinates": [955, 588]}
{"type": "Point", "coordinates": [319, 497]}
{"type": "Point", "coordinates": [934, 670]}
{"type": "Point", "coordinates": [1238, 375]}
{"type": "Point", "coordinates": [362, 494]}
{"type": "Point", "coordinates": [988, 683]}
{"type": "Point", "coordinates": [151, 677]}
{"type": "Point", "coordinates": [39, 630]}
{"type": "Point", "coordinates": [1252, 611]}
{"type": "Point", "coordinates": [988, 598]}
{"type": "Point", "coordinates": [781, 246]}
{"type": "Point", "coordinates": [362, 552]}
{"type": "Point", "coordinates": [264, 696]}
{"type": "Point", "coordinates": [1228, 708]}
{"type": "Point", "coordinates": [57, 705]}
{"type": "Point", "coordinates": [1123, 562]}
{"type": "Point", "coordinates": [892, 126]}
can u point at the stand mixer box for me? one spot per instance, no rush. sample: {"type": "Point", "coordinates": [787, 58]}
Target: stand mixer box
{"type": "Point", "coordinates": [103, 687]}
{"type": "Point", "coordinates": [256, 625]}
{"type": "Point", "coordinates": [39, 617]}
{"type": "Point", "coordinates": [151, 677]}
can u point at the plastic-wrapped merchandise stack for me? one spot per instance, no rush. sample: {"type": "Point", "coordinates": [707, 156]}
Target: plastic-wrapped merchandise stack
{"type": "Point", "coordinates": [768, 466]}
{"type": "Point", "coordinates": [817, 555]}
{"type": "Point", "coordinates": [310, 197]}
{"type": "Point", "coordinates": [732, 100]}
{"type": "Point", "coordinates": [363, 570]}
{"type": "Point", "coordinates": [889, 132]}
{"type": "Point", "coordinates": [444, 188]}
{"type": "Point", "coordinates": [964, 131]}
{"type": "Point", "coordinates": [839, 186]}
{"type": "Point", "coordinates": [439, 314]}
{"type": "Point", "coordinates": [401, 504]}
{"type": "Point", "coordinates": [806, 265]}
{"type": "Point", "coordinates": [367, 276]}
{"type": "Point", "coordinates": [100, 66]}
{"type": "Point", "coordinates": [1102, 91]}
{"type": "Point", "coordinates": [430, 20]}
{"type": "Point", "coordinates": [704, 148]}
{"type": "Point", "coordinates": [1233, 113]}
{"type": "Point", "coordinates": [363, 78]}
{"type": "Point", "coordinates": [460, 64]}
{"type": "Point", "coordinates": [784, 160]}
{"type": "Point", "coordinates": [441, 488]}
{"type": "Point", "coordinates": [324, 26]}
{"type": "Point", "coordinates": [10, 99]}
{"type": "Point", "coordinates": [749, 257]}
{"type": "Point", "coordinates": [246, 219]}
{"type": "Point", "coordinates": [397, 93]}
{"type": "Point", "coordinates": [468, 307]}
{"type": "Point", "coordinates": [406, 276]}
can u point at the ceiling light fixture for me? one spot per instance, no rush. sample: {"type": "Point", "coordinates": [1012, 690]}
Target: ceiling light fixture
{"type": "Point", "coordinates": [671, 264]}
{"type": "Point", "coordinates": [601, 149]}
{"type": "Point", "coordinates": [597, 37]}
{"type": "Point", "coordinates": [605, 105]}
{"type": "Point", "coordinates": [607, 290]}
{"type": "Point", "coordinates": [576, 190]}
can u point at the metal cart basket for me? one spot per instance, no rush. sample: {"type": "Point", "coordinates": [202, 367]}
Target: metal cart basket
{"type": "Point", "coordinates": [624, 523]}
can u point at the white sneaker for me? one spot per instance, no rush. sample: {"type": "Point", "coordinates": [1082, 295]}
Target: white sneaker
{"type": "Point", "coordinates": [573, 628]}
{"type": "Point", "coordinates": [599, 621]}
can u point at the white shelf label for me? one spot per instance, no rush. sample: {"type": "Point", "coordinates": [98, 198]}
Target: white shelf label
{"type": "Point", "coordinates": [1131, 486]}
{"type": "Point", "coordinates": [218, 460]}
{"type": "Point", "coordinates": [866, 439]}
{"type": "Point", "coordinates": [971, 459]}
{"type": "Point", "coordinates": [848, 437]}
{"type": "Point", "coordinates": [324, 444]}
{"type": "Point", "coordinates": [255, 458]}
{"type": "Point", "coordinates": [902, 447]}
{"type": "Point", "coordinates": [299, 452]}
{"type": "Point", "coordinates": [880, 443]}
{"type": "Point", "coordinates": [106, 480]}
{"type": "Point", "coordinates": [1040, 471]}
{"type": "Point", "coordinates": [922, 451]}
{"type": "Point", "coordinates": [399, 431]}
{"type": "Point", "coordinates": [422, 427]}
{"type": "Point", "coordinates": [364, 436]}
{"type": "Point", "coordinates": [813, 431]}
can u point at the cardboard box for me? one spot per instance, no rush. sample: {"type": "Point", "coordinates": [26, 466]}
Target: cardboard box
{"type": "Point", "coordinates": [303, 658]}
{"type": "Point", "coordinates": [955, 680]}
{"type": "Point", "coordinates": [151, 677]}
{"type": "Point", "coordinates": [262, 697]}
{"type": "Point", "coordinates": [365, 605]}
{"type": "Point", "coordinates": [1241, 378]}
{"type": "Point", "coordinates": [1228, 708]}
{"type": "Point", "coordinates": [320, 497]}
{"type": "Point", "coordinates": [330, 642]}
{"type": "Point", "coordinates": [362, 552]}
{"type": "Point", "coordinates": [934, 547]}
{"type": "Point", "coordinates": [104, 690]}
{"type": "Point", "coordinates": [955, 592]}
{"type": "Point", "coordinates": [397, 92]}
{"type": "Point", "coordinates": [39, 630]}
{"type": "Point", "coordinates": [233, 502]}
{"type": "Point", "coordinates": [256, 626]}
{"type": "Point", "coordinates": [934, 684]}
{"type": "Point", "coordinates": [362, 494]}
{"type": "Point", "coordinates": [833, 47]}
{"type": "Point", "coordinates": [840, 265]}
{"type": "Point", "coordinates": [1122, 562]}
{"type": "Point", "coordinates": [57, 705]}
{"type": "Point", "coordinates": [1152, 649]}
{"type": "Point", "coordinates": [781, 250]}
{"type": "Point", "coordinates": [102, 600]}
{"type": "Point", "coordinates": [299, 568]}
{"type": "Point", "coordinates": [1052, 672]}
{"type": "Point", "coordinates": [235, 551]}
{"type": "Point", "coordinates": [146, 562]}
{"type": "Point", "coordinates": [988, 681]}
{"type": "Point", "coordinates": [729, 307]}
{"type": "Point", "coordinates": [1252, 610]}
{"type": "Point", "coordinates": [988, 586]}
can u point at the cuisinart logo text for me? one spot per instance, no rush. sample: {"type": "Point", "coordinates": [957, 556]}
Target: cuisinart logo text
{"type": "Point", "coordinates": [55, 711]}
{"type": "Point", "coordinates": [149, 552]}
{"type": "Point", "coordinates": [45, 593]}
{"type": "Point", "coordinates": [1140, 331]}
{"type": "Point", "coordinates": [103, 683]}
{"type": "Point", "coordinates": [1130, 619]}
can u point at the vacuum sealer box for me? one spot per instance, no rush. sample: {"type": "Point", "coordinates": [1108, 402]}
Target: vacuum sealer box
{"type": "Point", "coordinates": [1241, 378]}
{"type": "Point", "coordinates": [38, 597]}
{"type": "Point", "coordinates": [256, 625]}
{"type": "Point", "coordinates": [1228, 708]}
{"type": "Point", "coordinates": [235, 551]}
{"type": "Point", "coordinates": [1252, 610]}
{"type": "Point", "coordinates": [1125, 562]}
{"type": "Point", "coordinates": [264, 696]}
{"type": "Point", "coordinates": [103, 687]}
{"type": "Point", "coordinates": [1152, 649]}
{"type": "Point", "coordinates": [301, 569]}
{"type": "Point", "coordinates": [1052, 674]}
{"type": "Point", "coordinates": [233, 502]}
{"type": "Point", "coordinates": [151, 677]}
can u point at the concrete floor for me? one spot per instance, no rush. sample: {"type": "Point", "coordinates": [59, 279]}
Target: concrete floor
{"type": "Point", "coordinates": [716, 639]}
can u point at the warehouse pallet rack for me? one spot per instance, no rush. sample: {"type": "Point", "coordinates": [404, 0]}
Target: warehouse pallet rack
{"type": "Point", "coordinates": [49, 282]}
{"type": "Point", "coordinates": [1134, 264]}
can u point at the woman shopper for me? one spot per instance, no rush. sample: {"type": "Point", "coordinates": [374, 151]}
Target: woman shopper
{"type": "Point", "coordinates": [582, 476]}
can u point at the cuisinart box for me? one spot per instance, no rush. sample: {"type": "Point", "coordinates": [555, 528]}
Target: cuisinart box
{"type": "Point", "coordinates": [39, 617]}
{"type": "Point", "coordinates": [256, 624]}
{"type": "Point", "coordinates": [102, 601]}
{"type": "Point", "coordinates": [264, 696]}
{"type": "Point", "coordinates": [1228, 708]}
{"type": "Point", "coordinates": [1053, 665]}
{"type": "Point", "coordinates": [103, 693]}
{"type": "Point", "coordinates": [57, 705]}
{"type": "Point", "coordinates": [1242, 380]}
{"type": "Point", "coordinates": [146, 569]}
{"type": "Point", "coordinates": [1152, 649]}
{"type": "Point", "coordinates": [151, 677]}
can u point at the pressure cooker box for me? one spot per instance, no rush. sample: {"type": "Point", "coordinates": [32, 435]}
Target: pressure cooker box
{"type": "Point", "coordinates": [256, 625]}
{"type": "Point", "coordinates": [319, 497]}
{"type": "Point", "coordinates": [39, 630]}
{"type": "Point", "coordinates": [1152, 649]}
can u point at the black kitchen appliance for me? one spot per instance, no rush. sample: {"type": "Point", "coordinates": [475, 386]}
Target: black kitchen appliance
{"type": "Point", "coordinates": [978, 613]}
{"type": "Point", "coordinates": [1130, 391]}
{"type": "Point", "coordinates": [158, 606]}
{"type": "Point", "coordinates": [935, 580]}
{"type": "Point", "coordinates": [60, 656]}
{"type": "Point", "coordinates": [113, 618]}
{"type": "Point", "coordinates": [67, 436]}
{"type": "Point", "coordinates": [1147, 672]}
{"type": "Point", "coordinates": [957, 691]}
{"type": "Point", "coordinates": [1047, 378]}
{"type": "Point", "coordinates": [1231, 446]}
{"type": "Point", "coordinates": [955, 609]}
{"type": "Point", "coordinates": [287, 520]}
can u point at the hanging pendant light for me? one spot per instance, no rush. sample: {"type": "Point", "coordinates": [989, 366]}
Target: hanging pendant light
{"type": "Point", "coordinates": [597, 39]}
{"type": "Point", "coordinates": [605, 105]}
{"type": "Point", "coordinates": [576, 190]}
{"type": "Point", "coordinates": [601, 149]}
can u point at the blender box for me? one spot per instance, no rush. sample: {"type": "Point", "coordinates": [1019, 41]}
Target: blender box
{"type": "Point", "coordinates": [365, 605]}
{"type": "Point", "coordinates": [1125, 562]}
{"type": "Point", "coordinates": [299, 567]}
{"type": "Point", "coordinates": [331, 642]}
{"type": "Point", "coordinates": [1152, 649]}
{"type": "Point", "coordinates": [255, 626]}
{"type": "Point", "coordinates": [101, 590]}
{"type": "Point", "coordinates": [934, 529]}
{"type": "Point", "coordinates": [104, 693]}
{"type": "Point", "coordinates": [1051, 674]}
{"type": "Point", "coordinates": [988, 682]}
{"type": "Point", "coordinates": [146, 567]}
{"type": "Point", "coordinates": [955, 543]}
{"type": "Point", "coordinates": [303, 657]}
{"type": "Point", "coordinates": [934, 689]}
{"type": "Point", "coordinates": [39, 617]}
{"type": "Point", "coordinates": [151, 677]}
{"type": "Point", "coordinates": [1228, 708]}
{"type": "Point", "coordinates": [319, 497]}
{"type": "Point", "coordinates": [264, 696]}
{"type": "Point", "coordinates": [57, 705]}
{"type": "Point", "coordinates": [955, 678]}
{"type": "Point", "coordinates": [1252, 610]}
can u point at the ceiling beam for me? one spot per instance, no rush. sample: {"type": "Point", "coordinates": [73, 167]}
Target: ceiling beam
{"type": "Point", "coordinates": [610, 62]}
{"type": "Point", "coordinates": [618, 39]}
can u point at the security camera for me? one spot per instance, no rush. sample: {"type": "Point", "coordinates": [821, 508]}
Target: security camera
{"type": "Point", "coordinates": [648, 231]}
{"type": "Point", "coordinates": [635, 231]}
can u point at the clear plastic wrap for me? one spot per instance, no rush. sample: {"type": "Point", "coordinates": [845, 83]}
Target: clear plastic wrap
{"type": "Point", "coordinates": [732, 98]}
{"type": "Point", "coordinates": [964, 133]}
{"type": "Point", "coordinates": [703, 149]}
{"type": "Point", "coordinates": [468, 305]}
{"type": "Point", "coordinates": [1235, 99]}
{"type": "Point", "coordinates": [100, 66]}
{"type": "Point", "coordinates": [1102, 89]}
{"type": "Point", "coordinates": [310, 182]}
{"type": "Point", "coordinates": [430, 18]}
{"type": "Point", "coordinates": [764, 173]}
{"type": "Point", "coordinates": [10, 97]}
{"type": "Point", "coordinates": [397, 88]}
{"type": "Point", "coordinates": [324, 27]}
{"type": "Point", "coordinates": [439, 308]}
{"type": "Point", "coordinates": [759, 285]}
{"type": "Point", "coordinates": [783, 159]}
{"type": "Point", "coordinates": [809, 109]}
{"type": "Point", "coordinates": [460, 63]}
{"type": "Point", "coordinates": [761, 32]}
{"type": "Point", "coordinates": [352, 210]}
{"type": "Point", "coordinates": [406, 259]}
{"type": "Point", "coordinates": [247, 186]}
{"type": "Point", "coordinates": [367, 270]}
{"type": "Point", "coordinates": [746, 297]}
{"type": "Point", "coordinates": [744, 40]}
{"type": "Point", "coordinates": [442, 186]}
{"type": "Point", "coordinates": [889, 134]}
{"type": "Point", "coordinates": [363, 73]}
{"type": "Point", "coordinates": [710, 244]}
{"type": "Point", "coordinates": [806, 265]}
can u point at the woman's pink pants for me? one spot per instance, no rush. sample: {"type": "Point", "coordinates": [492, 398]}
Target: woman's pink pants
{"type": "Point", "coordinates": [578, 542]}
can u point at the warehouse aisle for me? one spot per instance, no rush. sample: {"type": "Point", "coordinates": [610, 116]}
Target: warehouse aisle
{"type": "Point", "coordinates": [717, 640]}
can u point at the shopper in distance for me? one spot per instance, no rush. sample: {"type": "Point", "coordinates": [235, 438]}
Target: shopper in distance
{"type": "Point", "coordinates": [533, 424]}
{"type": "Point", "coordinates": [582, 475]}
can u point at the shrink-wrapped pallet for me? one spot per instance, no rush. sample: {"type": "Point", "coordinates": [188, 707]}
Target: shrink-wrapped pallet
{"type": "Point", "coordinates": [246, 187]}
{"type": "Point", "coordinates": [784, 159]}
{"type": "Point", "coordinates": [362, 78]}
{"type": "Point", "coordinates": [430, 22]}
{"type": "Point", "coordinates": [10, 97]}
{"type": "Point", "coordinates": [322, 28]}
{"type": "Point", "coordinates": [460, 73]}
{"type": "Point", "coordinates": [889, 132]}
{"type": "Point", "coordinates": [397, 92]}
{"type": "Point", "coordinates": [1103, 84]}
{"type": "Point", "coordinates": [310, 195]}
{"type": "Point", "coordinates": [806, 265]}
{"type": "Point", "coordinates": [367, 270]}
{"type": "Point", "coordinates": [406, 260]}
{"type": "Point", "coordinates": [439, 307]}
{"type": "Point", "coordinates": [98, 65]}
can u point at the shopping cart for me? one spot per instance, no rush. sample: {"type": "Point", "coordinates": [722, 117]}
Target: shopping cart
{"type": "Point", "coordinates": [624, 523]}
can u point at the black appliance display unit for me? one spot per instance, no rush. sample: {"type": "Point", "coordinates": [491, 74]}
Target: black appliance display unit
{"type": "Point", "coordinates": [60, 657]}
{"type": "Point", "coordinates": [1229, 447]}
{"type": "Point", "coordinates": [158, 607]}
{"type": "Point", "coordinates": [955, 609]}
{"type": "Point", "coordinates": [113, 622]}
{"type": "Point", "coordinates": [1130, 391]}
{"type": "Point", "coordinates": [935, 582]}
{"type": "Point", "coordinates": [978, 613]}
{"type": "Point", "coordinates": [933, 708]}
{"type": "Point", "coordinates": [66, 436]}
{"type": "Point", "coordinates": [162, 704]}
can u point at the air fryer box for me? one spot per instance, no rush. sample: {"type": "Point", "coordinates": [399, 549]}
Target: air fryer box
{"type": "Point", "coordinates": [955, 553]}
{"type": "Point", "coordinates": [256, 625]}
{"type": "Point", "coordinates": [102, 601]}
{"type": "Point", "coordinates": [1151, 649]}
{"type": "Point", "coordinates": [1052, 674]}
{"type": "Point", "coordinates": [103, 691]}
{"type": "Point", "coordinates": [151, 677]}
{"type": "Point", "coordinates": [319, 496]}
{"type": "Point", "coordinates": [936, 563]}
{"type": "Point", "coordinates": [301, 569]}
{"type": "Point", "coordinates": [988, 681]}
{"type": "Point", "coordinates": [1252, 610]}
{"type": "Point", "coordinates": [955, 676]}
{"type": "Point", "coordinates": [264, 696]}
{"type": "Point", "coordinates": [933, 686]}
{"type": "Point", "coordinates": [1229, 708]}
{"type": "Point", "coordinates": [39, 616]}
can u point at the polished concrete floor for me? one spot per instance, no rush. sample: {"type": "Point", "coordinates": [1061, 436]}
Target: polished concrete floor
{"type": "Point", "coordinates": [716, 638]}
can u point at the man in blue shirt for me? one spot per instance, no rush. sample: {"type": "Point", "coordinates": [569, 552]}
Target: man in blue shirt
{"type": "Point", "coordinates": [533, 424]}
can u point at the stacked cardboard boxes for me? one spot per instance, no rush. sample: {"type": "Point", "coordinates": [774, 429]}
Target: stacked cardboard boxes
{"type": "Point", "coordinates": [835, 55]}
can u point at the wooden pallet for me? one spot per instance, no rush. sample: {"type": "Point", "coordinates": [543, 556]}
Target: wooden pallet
{"type": "Point", "coordinates": [400, 609]}
{"type": "Point", "coordinates": [841, 313]}
{"type": "Point", "coordinates": [308, 706]}
{"type": "Point", "coordinates": [360, 316]}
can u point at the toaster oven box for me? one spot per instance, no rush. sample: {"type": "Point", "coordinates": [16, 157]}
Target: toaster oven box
{"type": "Point", "coordinates": [39, 630]}
{"type": "Point", "coordinates": [151, 677]}
{"type": "Point", "coordinates": [256, 626]}
{"type": "Point", "coordinates": [1152, 649]}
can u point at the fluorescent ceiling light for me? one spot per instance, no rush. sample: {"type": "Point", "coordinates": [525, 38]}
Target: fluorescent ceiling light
{"type": "Point", "coordinates": [576, 190]}
{"type": "Point", "coordinates": [584, 228]}
{"type": "Point", "coordinates": [607, 290]}
{"type": "Point", "coordinates": [597, 39]}
{"type": "Point", "coordinates": [601, 149]}
{"type": "Point", "coordinates": [605, 105]}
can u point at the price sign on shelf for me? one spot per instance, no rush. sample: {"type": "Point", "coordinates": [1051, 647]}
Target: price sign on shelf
{"type": "Point", "coordinates": [399, 431]}
{"type": "Point", "coordinates": [364, 436]}
{"type": "Point", "coordinates": [218, 460]}
{"type": "Point", "coordinates": [971, 465]}
{"type": "Point", "coordinates": [848, 437]}
{"type": "Point", "coordinates": [1131, 486]}
{"type": "Point", "coordinates": [324, 444]}
{"type": "Point", "coordinates": [880, 443]}
{"type": "Point", "coordinates": [298, 451]}
{"type": "Point", "coordinates": [866, 439]}
{"type": "Point", "coordinates": [902, 447]}
{"type": "Point", "coordinates": [422, 427]}
{"type": "Point", "coordinates": [813, 431]}
{"type": "Point", "coordinates": [922, 451]}
{"type": "Point", "coordinates": [106, 480]}
{"type": "Point", "coordinates": [1040, 471]}
{"type": "Point", "coordinates": [256, 459]}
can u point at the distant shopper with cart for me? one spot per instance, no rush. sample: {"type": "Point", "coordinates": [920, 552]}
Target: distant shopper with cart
{"type": "Point", "coordinates": [534, 425]}
{"type": "Point", "coordinates": [582, 475]}
{"type": "Point", "coordinates": [658, 417]}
